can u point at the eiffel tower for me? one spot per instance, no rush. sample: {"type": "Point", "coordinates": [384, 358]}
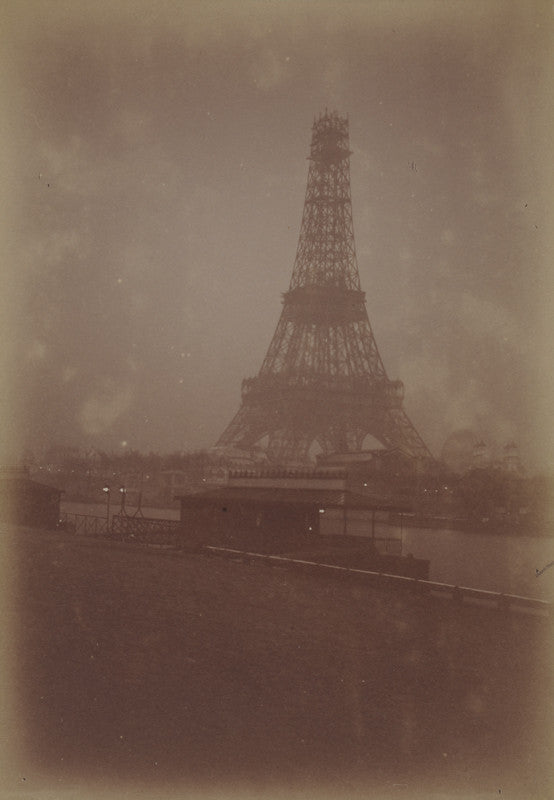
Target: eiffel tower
{"type": "Point", "coordinates": [322, 382]}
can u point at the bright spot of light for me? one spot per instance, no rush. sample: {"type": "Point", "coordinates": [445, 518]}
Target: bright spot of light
{"type": "Point", "coordinates": [37, 351]}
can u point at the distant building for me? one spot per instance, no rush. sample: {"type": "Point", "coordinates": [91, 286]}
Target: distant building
{"type": "Point", "coordinates": [26, 502]}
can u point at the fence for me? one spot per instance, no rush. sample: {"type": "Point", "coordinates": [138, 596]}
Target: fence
{"type": "Point", "coordinates": [123, 528]}
{"type": "Point", "coordinates": [146, 530]}
{"type": "Point", "coordinates": [458, 594]}
{"type": "Point", "coordinates": [84, 524]}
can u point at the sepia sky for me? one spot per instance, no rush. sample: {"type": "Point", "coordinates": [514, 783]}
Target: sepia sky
{"type": "Point", "coordinates": [154, 163]}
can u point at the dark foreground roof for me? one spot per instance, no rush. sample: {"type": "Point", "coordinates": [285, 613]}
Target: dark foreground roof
{"type": "Point", "coordinates": [320, 498]}
{"type": "Point", "coordinates": [26, 485]}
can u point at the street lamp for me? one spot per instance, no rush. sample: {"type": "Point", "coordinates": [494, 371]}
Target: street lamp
{"type": "Point", "coordinates": [106, 489]}
{"type": "Point", "coordinates": [123, 492]}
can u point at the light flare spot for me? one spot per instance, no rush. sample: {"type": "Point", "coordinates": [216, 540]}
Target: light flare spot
{"type": "Point", "coordinates": [37, 351]}
{"type": "Point", "coordinates": [68, 374]}
{"type": "Point", "coordinates": [103, 408]}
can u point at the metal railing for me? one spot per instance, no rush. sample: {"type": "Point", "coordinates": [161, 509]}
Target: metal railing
{"type": "Point", "coordinates": [83, 524]}
{"type": "Point", "coordinates": [122, 527]}
{"type": "Point", "coordinates": [457, 594]}
{"type": "Point", "coordinates": [146, 530]}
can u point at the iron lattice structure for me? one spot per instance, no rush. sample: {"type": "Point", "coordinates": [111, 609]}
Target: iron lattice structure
{"type": "Point", "coordinates": [322, 380]}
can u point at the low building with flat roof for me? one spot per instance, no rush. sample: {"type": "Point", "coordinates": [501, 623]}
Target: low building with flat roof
{"type": "Point", "coordinates": [281, 508]}
{"type": "Point", "coordinates": [26, 502]}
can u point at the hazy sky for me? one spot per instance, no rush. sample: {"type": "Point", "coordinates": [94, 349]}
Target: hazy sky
{"type": "Point", "coordinates": [154, 163]}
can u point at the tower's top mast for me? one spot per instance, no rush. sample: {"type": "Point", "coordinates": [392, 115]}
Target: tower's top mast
{"type": "Point", "coordinates": [326, 254]}
{"type": "Point", "coordinates": [329, 139]}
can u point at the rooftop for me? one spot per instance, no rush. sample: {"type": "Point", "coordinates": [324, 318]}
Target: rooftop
{"type": "Point", "coordinates": [322, 498]}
